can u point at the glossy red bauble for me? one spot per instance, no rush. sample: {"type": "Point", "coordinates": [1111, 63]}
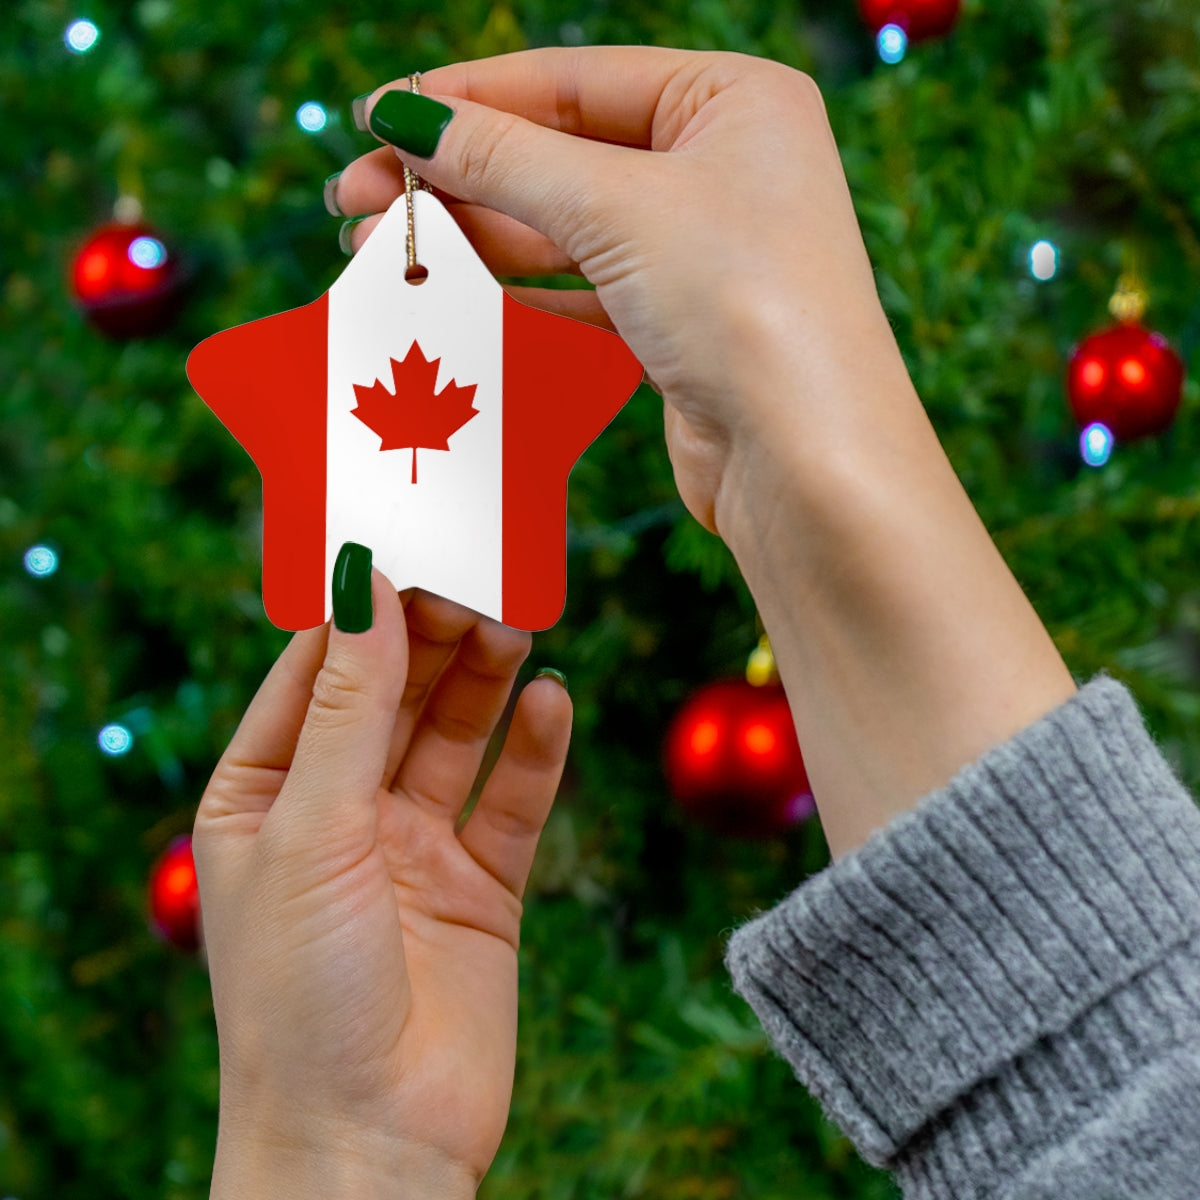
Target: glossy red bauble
{"type": "Point", "coordinates": [126, 281]}
{"type": "Point", "coordinates": [733, 762]}
{"type": "Point", "coordinates": [1128, 379]}
{"type": "Point", "coordinates": [919, 19]}
{"type": "Point", "coordinates": [175, 896]}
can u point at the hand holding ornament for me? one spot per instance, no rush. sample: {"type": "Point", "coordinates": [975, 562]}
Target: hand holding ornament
{"type": "Point", "coordinates": [703, 195]}
{"type": "Point", "coordinates": [363, 951]}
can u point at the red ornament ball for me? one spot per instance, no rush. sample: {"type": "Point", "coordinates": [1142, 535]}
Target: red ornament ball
{"type": "Point", "coordinates": [126, 281]}
{"type": "Point", "coordinates": [919, 19]}
{"type": "Point", "coordinates": [1128, 379]}
{"type": "Point", "coordinates": [175, 896]}
{"type": "Point", "coordinates": [733, 762]}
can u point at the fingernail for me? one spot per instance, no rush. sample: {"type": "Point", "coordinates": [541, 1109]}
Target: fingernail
{"type": "Point", "coordinates": [352, 610]}
{"type": "Point", "coordinates": [347, 247]}
{"type": "Point", "coordinates": [557, 676]}
{"type": "Point", "coordinates": [358, 110]}
{"type": "Point", "coordinates": [330, 195]}
{"type": "Point", "coordinates": [414, 123]}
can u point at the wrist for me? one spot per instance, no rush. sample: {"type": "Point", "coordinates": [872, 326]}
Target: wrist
{"type": "Point", "coordinates": [906, 646]}
{"type": "Point", "coordinates": [820, 413]}
{"type": "Point", "coordinates": [311, 1161]}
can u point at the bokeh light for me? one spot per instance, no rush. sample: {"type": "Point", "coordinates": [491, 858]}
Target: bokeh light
{"type": "Point", "coordinates": [801, 806]}
{"type": "Point", "coordinates": [1092, 374]}
{"type": "Point", "coordinates": [1132, 372]}
{"type": "Point", "coordinates": [759, 738]}
{"type": "Point", "coordinates": [81, 36]}
{"type": "Point", "coordinates": [1043, 260]}
{"type": "Point", "coordinates": [147, 252]}
{"type": "Point", "coordinates": [892, 43]}
{"type": "Point", "coordinates": [1096, 444]}
{"type": "Point", "coordinates": [115, 740]}
{"type": "Point", "coordinates": [41, 561]}
{"type": "Point", "coordinates": [705, 737]}
{"type": "Point", "coordinates": [312, 117]}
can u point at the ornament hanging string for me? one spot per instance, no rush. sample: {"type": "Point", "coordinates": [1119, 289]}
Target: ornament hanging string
{"type": "Point", "coordinates": [1128, 302]}
{"type": "Point", "coordinates": [414, 272]}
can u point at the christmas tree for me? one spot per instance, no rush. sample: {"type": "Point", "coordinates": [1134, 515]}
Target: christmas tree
{"type": "Point", "coordinates": [1007, 174]}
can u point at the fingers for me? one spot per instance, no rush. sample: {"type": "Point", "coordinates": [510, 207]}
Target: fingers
{"type": "Point", "coordinates": [435, 628]}
{"type": "Point", "coordinates": [581, 304]}
{"type": "Point", "coordinates": [369, 184]}
{"type": "Point", "coordinates": [249, 774]}
{"type": "Point", "coordinates": [255, 763]}
{"type": "Point", "coordinates": [607, 93]}
{"type": "Point", "coordinates": [353, 237]}
{"type": "Point", "coordinates": [459, 716]}
{"type": "Point", "coordinates": [338, 765]}
{"type": "Point", "coordinates": [543, 179]}
{"type": "Point", "coordinates": [502, 832]}
{"type": "Point", "coordinates": [506, 246]}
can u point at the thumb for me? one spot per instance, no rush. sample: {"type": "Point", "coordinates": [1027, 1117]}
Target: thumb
{"type": "Point", "coordinates": [343, 745]}
{"type": "Point", "coordinates": [551, 181]}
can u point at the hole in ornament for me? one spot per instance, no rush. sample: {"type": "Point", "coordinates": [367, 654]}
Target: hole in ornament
{"type": "Point", "coordinates": [416, 274]}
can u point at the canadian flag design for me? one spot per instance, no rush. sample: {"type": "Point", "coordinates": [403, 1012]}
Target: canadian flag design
{"type": "Point", "coordinates": [435, 423]}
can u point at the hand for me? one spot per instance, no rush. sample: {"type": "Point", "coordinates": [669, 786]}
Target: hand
{"type": "Point", "coordinates": [730, 259]}
{"type": "Point", "coordinates": [363, 954]}
{"type": "Point", "coordinates": [704, 196]}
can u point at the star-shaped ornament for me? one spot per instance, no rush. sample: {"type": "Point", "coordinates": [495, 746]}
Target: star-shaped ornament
{"type": "Point", "coordinates": [435, 422]}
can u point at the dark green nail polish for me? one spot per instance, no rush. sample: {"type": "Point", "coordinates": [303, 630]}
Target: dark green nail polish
{"type": "Point", "coordinates": [358, 110]}
{"type": "Point", "coordinates": [557, 676]}
{"type": "Point", "coordinates": [329, 194]}
{"type": "Point", "coordinates": [344, 243]}
{"type": "Point", "coordinates": [352, 609]}
{"type": "Point", "coordinates": [414, 123]}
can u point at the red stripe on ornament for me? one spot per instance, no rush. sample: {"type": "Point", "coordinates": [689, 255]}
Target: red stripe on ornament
{"type": "Point", "coordinates": [563, 382]}
{"type": "Point", "coordinates": [267, 382]}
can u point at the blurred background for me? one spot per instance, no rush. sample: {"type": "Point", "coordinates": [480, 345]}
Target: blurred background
{"type": "Point", "coordinates": [1025, 175]}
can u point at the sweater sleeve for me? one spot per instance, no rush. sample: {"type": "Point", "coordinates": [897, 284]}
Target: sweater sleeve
{"type": "Point", "coordinates": [998, 995]}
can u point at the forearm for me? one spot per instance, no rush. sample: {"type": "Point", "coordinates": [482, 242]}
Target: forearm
{"type": "Point", "coordinates": [906, 645]}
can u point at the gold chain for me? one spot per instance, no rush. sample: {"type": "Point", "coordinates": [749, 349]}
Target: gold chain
{"type": "Point", "coordinates": [412, 182]}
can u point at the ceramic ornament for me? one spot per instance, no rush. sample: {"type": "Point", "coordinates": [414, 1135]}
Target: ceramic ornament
{"type": "Point", "coordinates": [435, 423]}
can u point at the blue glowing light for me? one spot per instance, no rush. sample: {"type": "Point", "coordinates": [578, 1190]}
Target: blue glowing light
{"type": "Point", "coordinates": [1096, 444]}
{"type": "Point", "coordinates": [312, 117]}
{"type": "Point", "coordinates": [892, 42]}
{"type": "Point", "coordinates": [147, 253]}
{"type": "Point", "coordinates": [115, 740]}
{"type": "Point", "coordinates": [1043, 260]}
{"type": "Point", "coordinates": [81, 36]}
{"type": "Point", "coordinates": [41, 561]}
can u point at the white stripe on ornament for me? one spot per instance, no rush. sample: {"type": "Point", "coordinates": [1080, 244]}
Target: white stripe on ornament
{"type": "Point", "coordinates": [442, 533]}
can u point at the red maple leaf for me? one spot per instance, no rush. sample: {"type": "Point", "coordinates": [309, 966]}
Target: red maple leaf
{"type": "Point", "coordinates": [409, 416]}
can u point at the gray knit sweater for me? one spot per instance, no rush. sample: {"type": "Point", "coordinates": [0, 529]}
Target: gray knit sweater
{"type": "Point", "coordinates": [998, 996]}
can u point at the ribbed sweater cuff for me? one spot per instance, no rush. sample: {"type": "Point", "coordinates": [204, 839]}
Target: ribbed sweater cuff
{"type": "Point", "coordinates": [1012, 917]}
